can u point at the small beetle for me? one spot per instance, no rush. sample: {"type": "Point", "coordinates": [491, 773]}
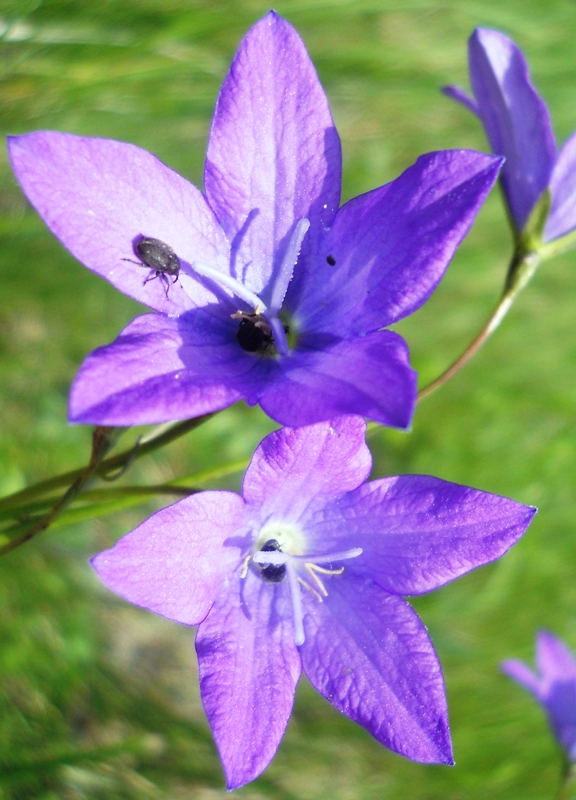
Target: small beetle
{"type": "Point", "coordinates": [159, 257]}
{"type": "Point", "coordinates": [273, 573]}
{"type": "Point", "coordinates": [254, 333]}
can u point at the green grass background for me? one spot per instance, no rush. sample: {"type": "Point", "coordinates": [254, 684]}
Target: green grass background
{"type": "Point", "coordinates": [99, 699]}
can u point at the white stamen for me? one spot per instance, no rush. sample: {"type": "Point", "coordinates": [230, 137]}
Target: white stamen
{"type": "Point", "coordinates": [280, 339]}
{"type": "Point", "coordinates": [230, 283]}
{"type": "Point", "coordinates": [270, 557]}
{"type": "Point", "coordinates": [353, 553]}
{"type": "Point", "coordinates": [287, 267]}
{"type": "Point", "coordinates": [296, 604]}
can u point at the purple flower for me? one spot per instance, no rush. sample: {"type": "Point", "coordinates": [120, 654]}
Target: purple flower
{"type": "Point", "coordinates": [517, 124]}
{"type": "Point", "coordinates": [306, 571]}
{"type": "Point", "coordinates": [554, 687]}
{"type": "Point", "coordinates": [265, 290]}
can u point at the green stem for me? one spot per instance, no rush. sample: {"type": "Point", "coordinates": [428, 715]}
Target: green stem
{"type": "Point", "coordinates": [118, 462]}
{"type": "Point", "coordinates": [568, 788]}
{"type": "Point", "coordinates": [102, 441]}
{"type": "Point", "coordinates": [101, 502]}
{"type": "Point", "coordinates": [522, 268]}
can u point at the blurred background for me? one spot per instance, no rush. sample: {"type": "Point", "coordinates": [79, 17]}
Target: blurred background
{"type": "Point", "coordinates": [99, 699]}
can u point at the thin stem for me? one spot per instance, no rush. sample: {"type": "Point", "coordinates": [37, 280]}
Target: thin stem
{"type": "Point", "coordinates": [522, 268]}
{"type": "Point", "coordinates": [117, 462]}
{"type": "Point", "coordinates": [102, 441]}
{"type": "Point", "coordinates": [568, 788]}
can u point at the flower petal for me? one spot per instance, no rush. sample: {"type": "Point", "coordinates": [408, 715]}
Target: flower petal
{"type": "Point", "coordinates": [249, 667]}
{"type": "Point", "coordinates": [391, 246]}
{"type": "Point", "coordinates": [462, 97]}
{"type": "Point", "coordinates": [553, 659]}
{"type": "Point", "coordinates": [368, 653]}
{"type": "Point", "coordinates": [554, 688]}
{"type": "Point", "coordinates": [295, 466]}
{"type": "Point", "coordinates": [519, 672]}
{"type": "Point", "coordinates": [369, 375]}
{"type": "Point", "coordinates": [562, 217]}
{"type": "Point", "coordinates": [159, 370]}
{"type": "Point", "coordinates": [176, 561]}
{"type": "Point", "coordinates": [274, 153]}
{"type": "Point", "coordinates": [98, 196]}
{"type": "Point", "coordinates": [515, 117]}
{"type": "Point", "coordinates": [418, 532]}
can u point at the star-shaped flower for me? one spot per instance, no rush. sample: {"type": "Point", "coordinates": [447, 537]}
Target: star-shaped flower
{"type": "Point", "coordinates": [518, 126]}
{"type": "Point", "coordinates": [554, 687]}
{"type": "Point", "coordinates": [306, 571]}
{"type": "Point", "coordinates": [265, 290]}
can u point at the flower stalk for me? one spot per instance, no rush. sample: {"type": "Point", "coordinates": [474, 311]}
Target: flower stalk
{"type": "Point", "coordinates": [19, 505]}
{"type": "Point", "coordinates": [103, 438]}
{"type": "Point", "coordinates": [522, 267]}
{"type": "Point", "coordinates": [568, 788]}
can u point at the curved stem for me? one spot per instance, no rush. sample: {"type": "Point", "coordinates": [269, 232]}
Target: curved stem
{"type": "Point", "coordinates": [102, 441]}
{"type": "Point", "coordinates": [522, 268]}
{"type": "Point", "coordinates": [117, 462]}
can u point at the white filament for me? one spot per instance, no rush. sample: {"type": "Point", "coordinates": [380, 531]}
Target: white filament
{"type": "Point", "coordinates": [270, 557]}
{"type": "Point", "coordinates": [296, 604]}
{"type": "Point", "coordinates": [280, 558]}
{"type": "Point", "coordinates": [230, 283]}
{"type": "Point", "coordinates": [353, 553]}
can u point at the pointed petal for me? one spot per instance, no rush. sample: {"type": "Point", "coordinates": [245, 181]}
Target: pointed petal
{"type": "Point", "coordinates": [562, 217]}
{"type": "Point", "coordinates": [515, 118]}
{"type": "Point", "coordinates": [98, 196]}
{"type": "Point", "coordinates": [462, 97]}
{"type": "Point", "coordinates": [292, 467]}
{"type": "Point", "coordinates": [554, 660]}
{"type": "Point", "coordinates": [274, 153]}
{"type": "Point", "coordinates": [368, 653]}
{"type": "Point", "coordinates": [522, 674]}
{"type": "Point", "coordinates": [418, 532]}
{"type": "Point", "coordinates": [160, 369]}
{"type": "Point", "coordinates": [554, 688]}
{"type": "Point", "coordinates": [176, 562]}
{"type": "Point", "coordinates": [249, 667]}
{"type": "Point", "coordinates": [392, 245]}
{"type": "Point", "coordinates": [368, 375]}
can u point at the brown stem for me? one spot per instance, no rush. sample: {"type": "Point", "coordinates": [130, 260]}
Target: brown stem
{"type": "Point", "coordinates": [117, 462]}
{"type": "Point", "coordinates": [101, 442]}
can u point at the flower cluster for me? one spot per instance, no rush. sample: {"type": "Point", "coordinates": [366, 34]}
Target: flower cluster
{"type": "Point", "coordinates": [265, 290]}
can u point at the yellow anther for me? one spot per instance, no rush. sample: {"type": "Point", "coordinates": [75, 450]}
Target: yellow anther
{"type": "Point", "coordinates": [310, 589]}
{"type": "Point", "coordinates": [245, 567]}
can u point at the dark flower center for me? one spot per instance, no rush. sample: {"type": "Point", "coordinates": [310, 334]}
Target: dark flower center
{"type": "Point", "coordinates": [273, 573]}
{"type": "Point", "coordinates": [254, 333]}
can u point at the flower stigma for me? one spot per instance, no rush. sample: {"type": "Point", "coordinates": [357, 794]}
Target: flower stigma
{"type": "Point", "coordinates": [279, 555]}
{"type": "Point", "coordinates": [262, 331]}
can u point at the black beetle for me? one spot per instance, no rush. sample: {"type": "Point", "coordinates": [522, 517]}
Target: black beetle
{"type": "Point", "coordinates": [159, 257]}
{"type": "Point", "coordinates": [254, 333]}
{"type": "Point", "coordinates": [273, 573]}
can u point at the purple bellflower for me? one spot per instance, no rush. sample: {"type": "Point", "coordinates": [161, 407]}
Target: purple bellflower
{"type": "Point", "coordinates": [306, 570]}
{"type": "Point", "coordinates": [554, 687]}
{"type": "Point", "coordinates": [518, 126]}
{"type": "Point", "coordinates": [266, 290]}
